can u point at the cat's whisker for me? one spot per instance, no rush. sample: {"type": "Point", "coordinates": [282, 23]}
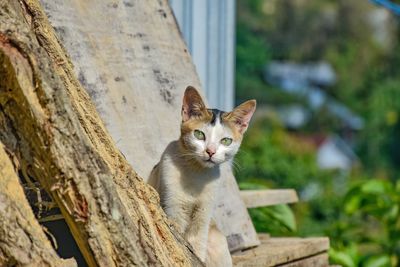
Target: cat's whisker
{"type": "Point", "coordinates": [236, 166]}
{"type": "Point", "coordinates": [242, 151]}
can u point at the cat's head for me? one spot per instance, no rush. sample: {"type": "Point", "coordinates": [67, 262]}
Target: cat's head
{"type": "Point", "coordinates": [211, 136]}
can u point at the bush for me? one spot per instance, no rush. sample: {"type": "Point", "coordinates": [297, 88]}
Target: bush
{"type": "Point", "coordinates": [368, 233]}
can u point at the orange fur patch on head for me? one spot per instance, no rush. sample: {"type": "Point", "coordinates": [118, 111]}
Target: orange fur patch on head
{"type": "Point", "coordinates": [196, 122]}
{"type": "Point", "coordinates": [239, 118]}
{"type": "Point", "coordinates": [226, 120]}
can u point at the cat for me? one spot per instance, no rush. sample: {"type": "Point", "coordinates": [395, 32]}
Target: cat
{"type": "Point", "coordinates": [188, 175]}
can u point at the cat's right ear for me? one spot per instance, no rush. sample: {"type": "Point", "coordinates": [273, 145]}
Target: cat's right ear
{"type": "Point", "coordinates": [192, 105]}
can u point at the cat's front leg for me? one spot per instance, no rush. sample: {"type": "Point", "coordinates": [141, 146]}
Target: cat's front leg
{"type": "Point", "coordinates": [178, 217]}
{"type": "Point", "coordinates": [217, 248]}
{"type": "Point", "coordinates": [197, 230]}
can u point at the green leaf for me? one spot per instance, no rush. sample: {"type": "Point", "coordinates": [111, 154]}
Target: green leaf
{"type": "Point", "coordinates": [342, 258]}
{"type": "Point", "coordinates": [284, 215]}
{"type": "Point", "coordinates": [378, 261]}
{"type": "Point", "coordinates": [393, 212]}
{"type": "Point", "coordinates": [352, 204]}
{"type": "Point", "coordinates": [374, 187]}
{"type": "Point", "coordinates": [276, 219]}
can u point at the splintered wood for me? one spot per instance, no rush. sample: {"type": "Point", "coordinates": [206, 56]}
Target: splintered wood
{"type": "Point", "coordinates": [22, 240]}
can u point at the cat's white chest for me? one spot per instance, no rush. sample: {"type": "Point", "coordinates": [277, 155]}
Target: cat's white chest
{"type": "Point", "coordinates": [190, 187]}
{"type": "Point", "coordinates": [187, 193]}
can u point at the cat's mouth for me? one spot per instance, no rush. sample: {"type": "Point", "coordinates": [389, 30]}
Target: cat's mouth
{"type": "Point", "coordinates": [210, 161]}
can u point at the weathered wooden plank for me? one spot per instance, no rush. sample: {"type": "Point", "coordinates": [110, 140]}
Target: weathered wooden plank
{"type": "Point", "coordinates": [269, 197]}
{"type": "Point", "coordinates": [230, 218]}
{"type": "Point", "coordinates": [263, 236]}
{"type": "Point", "coordinates": [320, 260]}
{"type": "Point", "coordinates": [278, 251]}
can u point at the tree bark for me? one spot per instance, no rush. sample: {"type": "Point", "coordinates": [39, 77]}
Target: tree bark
{"type": "Point", "coordinates": [22, 240]}
{"type": "Point", "coordinates": [49, 123]}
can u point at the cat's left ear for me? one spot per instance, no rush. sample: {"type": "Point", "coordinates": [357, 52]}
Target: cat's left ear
{"type": "Point", "coordinates": [242, 114]}
{"type": "Point", "coordinates": [193, 105]}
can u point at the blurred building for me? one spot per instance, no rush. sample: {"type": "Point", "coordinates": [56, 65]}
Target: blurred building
{"type": "Point", "coordinates": [208, 27]}
{"type": "Point", "coordinates": [334, 153]}
{"type": "Point", "coordinates": [308, 81]}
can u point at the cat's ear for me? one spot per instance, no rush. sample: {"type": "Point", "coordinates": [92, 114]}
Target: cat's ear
{"type": "Point", "coordinates": [242, 114]}
{"type": "Point", "coordinates": [193, 104]}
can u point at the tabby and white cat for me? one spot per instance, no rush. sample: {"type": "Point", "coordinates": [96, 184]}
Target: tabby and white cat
{"type": "Point", "coordinates": [188, 175]}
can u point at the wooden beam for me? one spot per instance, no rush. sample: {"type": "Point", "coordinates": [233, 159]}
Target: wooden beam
{"type": "Point", "coordinates": [320, 260]}
{"type": "Point", "coordinates": [270, 197]}
{"type": "Point", "coordinates": [278, 251]}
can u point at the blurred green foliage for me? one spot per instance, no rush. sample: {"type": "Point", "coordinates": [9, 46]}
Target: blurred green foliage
{"type": "Point", "coordinates": [358, 210]}
{"type": "Point", "coordinates": [272, 153]}
{"type": "Point", "coordinates": [368, 233]}
{"type": "Point", "coordinates": [380, 143]}
{"type": "Point", "coordinates": [270, 157]}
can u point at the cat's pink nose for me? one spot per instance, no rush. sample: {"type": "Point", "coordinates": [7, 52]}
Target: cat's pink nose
{"type": "Point", "coordinates": [210, 151]}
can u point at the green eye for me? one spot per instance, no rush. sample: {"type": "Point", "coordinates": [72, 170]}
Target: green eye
{"type": "Point", "coordinates": [199, 135]}
{"type": "Point", "coordinates": [226, 141]}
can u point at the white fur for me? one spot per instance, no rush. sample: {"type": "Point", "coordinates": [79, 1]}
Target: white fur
{"type": "Point", "coordinates": [217, 249]}
{"type": "Point", "coordinates": [187, 195]}
{"type": "Point", "coordinates": [213, 134]}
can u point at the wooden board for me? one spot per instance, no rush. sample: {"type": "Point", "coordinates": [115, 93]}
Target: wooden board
{"type": "Point", "coordinates": [320, 260]}
{"type": "Point", "coordinates": [263, 236]}
{"type": "Point", "coordinates": [228, 217]}
{"type": "Point", "coordinates": [278, 251]}
{"type": "Point", "coordinates": [262, 198]}
{"type": "Point", "coordinates": [130, 57]}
